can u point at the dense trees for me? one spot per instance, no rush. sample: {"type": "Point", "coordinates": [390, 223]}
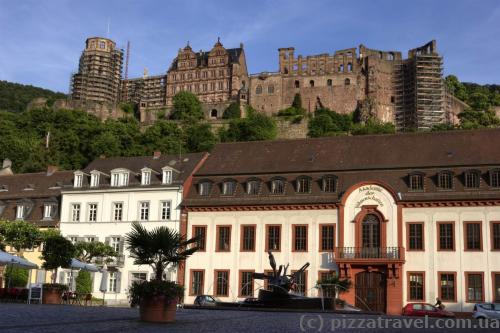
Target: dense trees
{"type": "Point", "coordinates": [187, 107]}
{"type": "Point", "coordinates": [478, 97]}
{"type": "Point", "coordinates": [256, 126]}
{"type": "Point", "coordinates": [15, 97]}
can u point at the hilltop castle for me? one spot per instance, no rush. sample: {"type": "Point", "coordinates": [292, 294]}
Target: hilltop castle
{"type": "Point", "coordinates": [407, 92]}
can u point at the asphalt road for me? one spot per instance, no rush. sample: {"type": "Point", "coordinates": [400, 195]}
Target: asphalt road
{"type": "Point", "coordinates": [17, 318]}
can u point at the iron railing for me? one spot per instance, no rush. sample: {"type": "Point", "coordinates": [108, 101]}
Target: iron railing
{"type": "Point", "coordinates": [387, 253]}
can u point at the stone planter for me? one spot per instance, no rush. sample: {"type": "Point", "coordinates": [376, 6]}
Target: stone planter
{"type": "Point", "coordinates": [51, 296]}
{"type": "Point", "coordinates": [158, 309]}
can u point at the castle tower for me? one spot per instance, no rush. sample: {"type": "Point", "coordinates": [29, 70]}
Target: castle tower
{"type": "Point", "coordinates": [99, 72]}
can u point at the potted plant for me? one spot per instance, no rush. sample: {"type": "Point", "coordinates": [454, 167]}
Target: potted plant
{"type": "Point", "coordinates": [158, 248]}
{"type": "Point", "coordinates": [57, 252]}
{"type": "Point", "coordinates": [333, 286]}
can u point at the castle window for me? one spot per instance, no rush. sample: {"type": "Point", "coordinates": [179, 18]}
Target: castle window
{"type": "Point", "coordinates": [303, 185]}
{"type": "Point", "coordinates": [380, 55]}
{"type": "Point", "coordinates": [270, 89]}
{"type": "Point", "coordinates": [311, 83]}
{"type": "Point", "coordinates": [348, 54]}
{"type": "Point", "coordinates": [495, 178]}
{"type": "Point", "coordinates": [329, 183]}
{"type": "Point", "coordinates": [213, 113]}
{"type": "Point", "coordinates": [416, 182]}
{"type": "Point", "coordinates": [471, 179]}
{"type": "Point", "coordinates": [329, 82]}
{"type": "Point", "coordinates": [205, 87]}
{"type": "Point", "coordinates": [258, 90]}
{"type": "Point", "coordinates": [221, 85]}
{"type": "Point", "coordinates": [392, 99]}
{"type": "Point", "coordinates": [221, 73]}
{"type": "Point", "coordinates": [390, 56]}
{"type": "Point", "coordinates": [102, 45]}
{"type": "Point", "coordinates": [349, 67]}
{"type": "Point", "coordinates": [205, 74]}
{"type": "Point", "coordinates": [286, 70]}
{"type": "Point", "coordinates": [347, 82]}
{"type": "Point", "coordinates": [445, 180]}
{"type": "Point", "coordinates": [297, 84]}
{"type": "Point", "coordinates": [341, 68]}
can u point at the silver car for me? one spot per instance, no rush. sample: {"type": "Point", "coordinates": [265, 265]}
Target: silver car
{"type": "Point", "coordinates": [486, 311]}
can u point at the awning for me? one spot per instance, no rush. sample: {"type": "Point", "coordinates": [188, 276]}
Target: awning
{"type": "Point", "coordinates": [77, 264]}
{"type": "Point", "coordinates": [9, 259]}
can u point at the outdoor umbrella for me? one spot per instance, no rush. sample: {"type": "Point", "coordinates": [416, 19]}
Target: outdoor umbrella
{"type": "Point", "coordinates": [79, 265]}
{"type": "Point", "coordinates": [12, 260]}
{"type": "Point", "coordinates": [104, 283]}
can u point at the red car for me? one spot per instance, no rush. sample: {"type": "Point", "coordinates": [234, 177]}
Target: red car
{"type": "Point", "coordinates": [425, 309]}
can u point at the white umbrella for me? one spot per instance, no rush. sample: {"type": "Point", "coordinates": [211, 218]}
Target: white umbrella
{"type": "Point", "coordinates": [77, 264]}
{"type": "Point", "coordinates": [9, 259]}
{"type": "Point", "coordinates": [104, 282]}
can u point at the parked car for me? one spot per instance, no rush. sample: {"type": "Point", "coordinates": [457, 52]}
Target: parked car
{"type": "Point", "coordinates": [486, 311]}
{"type": "Point", "coordinates": [251, 300]}
{"type": "Point", "coordinates": [425, 309]}
{"type": "Point", "coordinates": [206, 300]}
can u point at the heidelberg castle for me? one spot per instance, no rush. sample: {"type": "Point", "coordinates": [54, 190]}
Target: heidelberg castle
{"type": "Point", "coordinates": [408, 92]}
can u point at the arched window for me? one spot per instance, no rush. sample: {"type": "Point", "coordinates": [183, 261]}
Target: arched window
{"type": "Point", "coordinates": [278, 186]}
{"type": "Point", "coordinates": [445, 180]}
{"type": "Point", "coordinates": [311, 83]}
{"type": "Point", "coordinates": [390, 56]}
{"type": "Point", "coordinates": [329, 82]}
{"type": "Point", "coordinates": [329, 183]}
{"type": "Point", "coordinates": [258, 90]}
{"type": "Point", "coordinates": [349, 67]}
{"type": "Point", "coordinates": [253, 186]}
{"type": "Point", "coordinates": [204, 188]}
{"type": "Point", "coordinates": [303, 184]}
{"type": "Point", "coordinates": [297, 84]}
{"type": "Point", "coordinates": [341, 68]}
{"type": "Point", "coordinates": [347, 82]}
{"type": "Point", "coordinates": [416, 181]}
{"type": "Point", "coordinates": [228, 187]}
{"type": "Point", "coordinates": [286, 70]}
{"type": "Point", "coordinates": [472, 179]}
{"type": "Point", "coordinates": [213, 113]}
{"type": "Point", "coordinates": [270, 89]}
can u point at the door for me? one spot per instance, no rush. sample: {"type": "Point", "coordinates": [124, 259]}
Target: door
{"type": "Point", "coordinates": [370, 236]}
{"type": "Point", "coordinates": [370, 289]}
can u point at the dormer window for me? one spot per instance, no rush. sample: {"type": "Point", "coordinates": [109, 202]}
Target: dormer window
{"type": "Point", "coordinates": [495, 178]}
{"type": "Point", "coordinates": [20, 212]}
{"type": "Point", "coordinates": [278, 186]}
{"type": "Point", "coordinates": [445, 180]}
{"type": "Point", "coordinates": [329, 183]}
{"type": "Point", "coordinates": [48, 211]}
{"type": "Point", "coordinates": [416, 181]}
{"type": "Point", "coordinates": [228, 187]}
{"type": "Point", "coordinates": [78, 181]}
{"type": "Point", "coordinates": [167, 177]}
{"type": "Point", "coordinates": [204, 188]}
{"type": "Point", "coordinates": [94, 179]}
{"type": "Point", "coordinates": [471, 179]}
{"type": "Point", "coordinates": [119, 178]}
{"type": "Point", "coordinates": [253, 187]}
{"type": "Point", "coordinates": [303, 184]}
{"type": "Point", "coordinates": [146, 177]}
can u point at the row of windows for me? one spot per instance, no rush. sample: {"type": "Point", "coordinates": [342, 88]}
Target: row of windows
{"type": "Point", "coordinates": [470, 179]}
{"type": "Point", "coordinates": [143, 213]}
{"type": "Point", "coordinates": [201, 74]}
{"type": "Point", "coordinates": [273, 238]}
{"type": "Point", "coordinates": [121, 178]}
{"type": "Point", "coordinates": [22, 211]}
{"type": "Point", "coordinates": [447, 286]}
{"type": "Point", "coordinates": [246, 285]}
{"type": "Point", "coordinates": [213, 86]}
{"type": "Point", "coordinates": [277, 185]}
{"type": "Point", "coordinates": [116, 242]}
{"type": "Point", "coordinates": [473, 239]}
{"type": "Point", "coordinates": [340, 68]}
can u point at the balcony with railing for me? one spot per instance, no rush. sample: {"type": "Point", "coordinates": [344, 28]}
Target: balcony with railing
{"type": "Point", "coordinates": [369, 254]}
{"type": "Point", "coordinates": [117, 261]}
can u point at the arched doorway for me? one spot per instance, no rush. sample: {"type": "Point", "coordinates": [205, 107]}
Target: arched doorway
{"type": "Point", "coordinates": [371, 291]}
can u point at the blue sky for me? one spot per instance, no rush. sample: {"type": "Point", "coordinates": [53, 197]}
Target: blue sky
{"type": "Point", "coordinates": [41, 41]}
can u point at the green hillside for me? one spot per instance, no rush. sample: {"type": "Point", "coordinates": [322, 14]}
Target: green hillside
{"type": "Point", "coordinates": [15, 97]}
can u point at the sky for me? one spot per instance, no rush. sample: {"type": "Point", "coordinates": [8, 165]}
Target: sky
{"type": "Point", "coordinates": [41, 40]}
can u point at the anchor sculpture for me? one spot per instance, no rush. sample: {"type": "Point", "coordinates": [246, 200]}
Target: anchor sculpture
{"type": "Point", "coordinates": [280, 283]}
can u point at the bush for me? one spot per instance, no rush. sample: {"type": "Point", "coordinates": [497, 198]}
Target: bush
{"type": "Point", "coordinates": [83, 283]}
{"type": "Point", "coordinates": [59, 286]}
{"type": "Point", "coordinates": [18, 276]}
{"type": "Point", "coordinates": [232, 111]}
{"type": "Point", "coordinates": [187, 107]}
{"type": "Point", "coordinates": [148, 289]}
{"type": "Point", "coordinates": [255, 127]}
{"type": "Point", "coordinates": [293, 114]}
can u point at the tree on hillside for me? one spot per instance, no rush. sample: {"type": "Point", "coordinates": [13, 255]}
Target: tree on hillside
{"type": "Point", "coordinates": [456, 87]}
{"type": "Point", "coordinates": [15, 97]}
{"type": "Point", "coordinates": [373, 126]}
{"type": "Point", "coordinates": [199, 137]}
{"type": "Point", "coordinates": [327, 123]}
{"type": "Point", "coordinates": [165, 136]}
{"type": "Point", "coordinates": [256, 126]}
{"type": "Point", "coordinates": [470, 119]}
{"type": "Point", "coordinates": [186, 107]}
{"type": "Point", "coordinates": [232, 111]}
{"type": "Point", "coordinates": [297, 101]}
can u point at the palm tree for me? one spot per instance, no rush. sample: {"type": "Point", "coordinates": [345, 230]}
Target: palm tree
{"type": "Point", "coordinates": [158, 248]}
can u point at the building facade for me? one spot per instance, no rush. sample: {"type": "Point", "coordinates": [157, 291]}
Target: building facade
{"type": "Point", "coordinates": [408, 92]}
{"type": "Point", "coordinates": [111, 194]}
{"type": "Point", "coordinates": [35, 198]}
{"type": "Point", "coordinates": [402, 226]}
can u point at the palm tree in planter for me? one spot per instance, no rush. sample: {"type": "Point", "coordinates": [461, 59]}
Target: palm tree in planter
{"type": "Point", "coordinates": [332, 287]}
{"type": "Point", "coordinates": [158, 248]}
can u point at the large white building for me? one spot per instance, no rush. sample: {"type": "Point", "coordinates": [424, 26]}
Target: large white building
{"type": "Point", "coordinates": [407, 218]}
{"type": "Point", "coordinates": [112, 193]}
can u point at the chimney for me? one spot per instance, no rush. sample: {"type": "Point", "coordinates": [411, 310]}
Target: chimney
{"type": "Point", "coordinates": [6, 163]}
{"type": "Point", "coordinates": [51, 169]}
{"type": "Point", "coordinates": [156, 154]}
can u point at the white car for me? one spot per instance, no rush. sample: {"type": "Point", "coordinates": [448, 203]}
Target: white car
{"type": "Point", "coordinates": [486, 311]}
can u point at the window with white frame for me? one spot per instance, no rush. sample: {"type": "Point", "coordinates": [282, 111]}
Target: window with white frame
{"type": "Point", "coordinates": [119, 178]}
{"type": "Point", "coordinates": [78, 180]}
{"type": "Point", "coordinates": [114, 242]}
{"type": "Point", "coordinates": [167, 177]}
{"type": "Point", "coordinates": [48, 210]}
{"type": "Point", "coordinates": [166, 210]}
{"type": "Point", "coordinates": [115, 177]}
{"type": "Point", "coordinates": [94, 179]}
{"type": "Point", "coordinates": [112, 282]}
{"type": "Point", "coordinates": [75, 212]}
{"type": "Point", "coordinates": [138, 277]}
{"type": "Point", "coordinates": [73, 239]}
{"type": "Point", "coordinates": [20, 212]}
{"type": "Point", "coordinates": [144, 211]}
{"type": "Point", "coordinates": [90, 239]}
{"type": "Point", "coordinates": [92, 212]}
{"type": "Point", "coordinates": [146, 177]}
{"type": "Point", "coordinates": [117, 211]}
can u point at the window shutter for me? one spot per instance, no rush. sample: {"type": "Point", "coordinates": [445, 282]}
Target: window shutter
{"type": "Point", "coordinates": [122, 243]}
{"type": "Point", "coordinates": [118, 281]}
{"type": "Point", "coordinates": [107, 240]}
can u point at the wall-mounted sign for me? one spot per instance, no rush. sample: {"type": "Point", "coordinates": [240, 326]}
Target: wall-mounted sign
{"type": "Point", "coordinates": [369, 193]}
